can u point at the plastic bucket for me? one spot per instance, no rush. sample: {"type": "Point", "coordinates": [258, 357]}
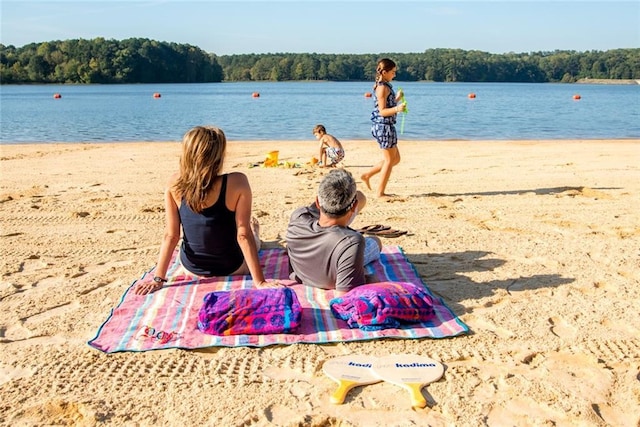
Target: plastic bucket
{"type": "Point", "coordinates": [272, 156]}
{"type": "Point", "coordinates": [272, 159]}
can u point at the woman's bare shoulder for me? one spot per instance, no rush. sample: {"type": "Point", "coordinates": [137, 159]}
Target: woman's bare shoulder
{"type": "Point", "coordinates": [237, 180]}
{"type": "Point", "coordinates": [236, 176]}
{"type": "Point", "coordinates": [173, 179]}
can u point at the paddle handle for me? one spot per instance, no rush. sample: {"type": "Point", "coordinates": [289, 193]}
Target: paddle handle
{"type": "Point", "coordinates": [417, 399]}
{"type": "Point", "coordinates": [338, 396]}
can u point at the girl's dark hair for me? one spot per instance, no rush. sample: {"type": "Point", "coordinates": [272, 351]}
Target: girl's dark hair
{"type": "Point", "coordinates": [385, 64]}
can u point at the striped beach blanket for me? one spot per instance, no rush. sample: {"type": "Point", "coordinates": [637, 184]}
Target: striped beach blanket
{"type": "Point", "coordinates": [168, 317]}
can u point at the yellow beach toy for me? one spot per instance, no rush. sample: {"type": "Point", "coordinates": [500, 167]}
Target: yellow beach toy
{"type": "Point", "coordinates": [272, 159]}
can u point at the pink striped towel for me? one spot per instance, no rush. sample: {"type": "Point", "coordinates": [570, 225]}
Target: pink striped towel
{"type": "Point", "coordinates": [168, 318]}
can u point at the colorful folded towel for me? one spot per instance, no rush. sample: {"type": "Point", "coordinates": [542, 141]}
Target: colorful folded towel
{"type": "Point", "coordinates": [250, 312]}
{"type": "Point", "coordinates": [383, 305]}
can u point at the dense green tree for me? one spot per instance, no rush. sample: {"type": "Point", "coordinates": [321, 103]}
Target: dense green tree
{"type": "Point", "coordinates": [139, 60]}
{"type": "Point", "coordinates": [107, 61]}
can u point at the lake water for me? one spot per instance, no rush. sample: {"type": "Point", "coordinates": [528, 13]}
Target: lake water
{"type": "Point", "coordinates": [290, 110]}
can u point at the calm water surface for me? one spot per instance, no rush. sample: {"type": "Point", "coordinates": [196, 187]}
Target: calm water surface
{"type": "Point", "coordinates": [289, 111]}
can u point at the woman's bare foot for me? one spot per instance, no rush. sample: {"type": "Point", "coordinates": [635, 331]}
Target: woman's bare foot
{"type": "Point", "coordinates": [365, 179]}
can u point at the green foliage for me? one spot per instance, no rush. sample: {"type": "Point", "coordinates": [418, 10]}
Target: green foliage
{"type": "Point", "coordinates": [107, 61]}
{"type": "Point", "coordinates": [139, 60]}
{"type": "Point", "coordinates": [440, 65]}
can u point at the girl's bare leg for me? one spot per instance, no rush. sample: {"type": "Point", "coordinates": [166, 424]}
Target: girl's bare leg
{"type": "Point", "coordinates": [391, 158]}
{"type": "Point", "coordinates": [367, 176]}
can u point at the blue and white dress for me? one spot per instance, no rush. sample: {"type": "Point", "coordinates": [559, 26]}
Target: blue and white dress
{"type": "Point", "coordinates": [383, 129]}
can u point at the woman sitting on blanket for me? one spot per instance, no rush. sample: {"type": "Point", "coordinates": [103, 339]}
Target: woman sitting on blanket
{"type": "Point", "coordinates": [219, 236]}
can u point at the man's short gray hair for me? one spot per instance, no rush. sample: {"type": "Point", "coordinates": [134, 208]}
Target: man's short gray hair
{"type": "Point", "coordinates": [337, 193]}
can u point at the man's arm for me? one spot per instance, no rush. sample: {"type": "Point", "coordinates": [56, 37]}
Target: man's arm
{"type": "Point", "coordinates": [350, 268]}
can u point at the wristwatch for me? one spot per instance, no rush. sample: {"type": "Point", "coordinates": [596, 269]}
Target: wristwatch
{"type": "Point", "coordinates": [159, 280]}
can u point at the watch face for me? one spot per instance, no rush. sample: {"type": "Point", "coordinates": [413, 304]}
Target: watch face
{"type": "Point", "coordinates": [157, 280]}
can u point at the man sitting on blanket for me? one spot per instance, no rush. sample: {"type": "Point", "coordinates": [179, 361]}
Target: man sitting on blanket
{"type": "Point", "coordinates": [323, 251]}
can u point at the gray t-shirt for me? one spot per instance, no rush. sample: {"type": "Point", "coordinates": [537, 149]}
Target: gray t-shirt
{"type": "Point", "coordinates": [324, 257]}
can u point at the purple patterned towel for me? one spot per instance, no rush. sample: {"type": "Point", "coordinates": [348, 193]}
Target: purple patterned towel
{"type": "Point", "coordinates": [383, 305]}
{"type": "Point", "coordinates": [250, 312]}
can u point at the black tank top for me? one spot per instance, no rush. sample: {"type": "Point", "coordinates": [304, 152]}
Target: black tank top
{"type": "Point", "coordinates": [209, 239]}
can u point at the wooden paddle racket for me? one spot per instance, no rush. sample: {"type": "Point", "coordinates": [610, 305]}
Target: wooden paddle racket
{"type": "Point", "coordinates": [409, 371]}
{"type": "Point", "coordinates": [349, 372]}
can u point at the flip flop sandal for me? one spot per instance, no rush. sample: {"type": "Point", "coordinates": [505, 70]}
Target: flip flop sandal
{"type": "Point", "coordinates": [391, 233]}
{"type": "Point", "coordinates": [383, 229]}
{"type": "Point", "coordinates": [373, 229]}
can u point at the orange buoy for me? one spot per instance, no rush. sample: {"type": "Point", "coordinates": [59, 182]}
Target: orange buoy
{"type": "Point", "coordinates": [57, 96]}
{"type": "Point", "coordinates": [255, 95]}
{"type": "Point", "coordinates": [471, 95]}
{"type": "Point", "coordinates": [367, 94]}
{"type": "Point", "coordinates": [156, 95]}
{"type": "Point", "coordinates": [576, 96]}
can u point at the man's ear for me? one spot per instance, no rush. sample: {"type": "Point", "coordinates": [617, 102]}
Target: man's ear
{"type": "Point", "coordinates": [317, 203]}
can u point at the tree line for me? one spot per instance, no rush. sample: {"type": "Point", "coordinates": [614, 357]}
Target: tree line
{"type": "Point", "coordinates": [132, 60]}
{"type": "Point", "coordinates": [139, 60]}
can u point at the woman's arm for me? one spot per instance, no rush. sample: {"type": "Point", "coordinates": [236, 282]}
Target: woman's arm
{"type": "Point", "coordinates": [171, 234]}
{"type": "Point", "coordinates": [169, 241]}
{"type": "Point", "coordinates": [238, 185]}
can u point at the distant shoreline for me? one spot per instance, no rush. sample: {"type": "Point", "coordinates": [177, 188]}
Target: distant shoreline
{"type": "Point", "coordinates": [579, 81]}
{"type": "Point", "coordinates": [608, 81]}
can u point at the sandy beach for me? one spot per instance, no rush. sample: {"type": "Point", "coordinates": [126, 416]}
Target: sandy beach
{"type": "Point", "coordinates": [533, 244]}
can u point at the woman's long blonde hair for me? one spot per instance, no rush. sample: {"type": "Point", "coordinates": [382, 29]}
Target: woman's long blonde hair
{"type": "Point", "coordinates": [203, 150]}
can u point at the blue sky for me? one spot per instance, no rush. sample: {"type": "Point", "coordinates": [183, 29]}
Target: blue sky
{"type": "Point", "coordinates": [323, 26]}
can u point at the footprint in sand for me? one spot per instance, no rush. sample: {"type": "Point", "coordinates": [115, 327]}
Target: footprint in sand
{"type": "Point", "coordinates": [7, 288]}
{"type": "Point", "coordinates": [582, 191]}
{"type": "Point", "coordinates": [8, 374]}
{"type": "Point", "coordinates": [279, 374]}
{"type": "Point", "coordinates": [392, 198]}
{"type": "Point", "coordinates": [573, 371]}
{"type": "Point", "coordinates": [561, 329]}
{"type": "Point", "coordinates": [63, 412]}
{"type": "Point", "coordinates": [621, 326]}
{"type": "Point", "coordinates": [276, 413]}
{"type": "Point", "coordinates": [301, 390]}
{"type": "Point", "coordinates": [60, 311]}
{"type": "Point", "coordinates": [477, 323]}
{"type": "Point", "coordinates": [23, 329]}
